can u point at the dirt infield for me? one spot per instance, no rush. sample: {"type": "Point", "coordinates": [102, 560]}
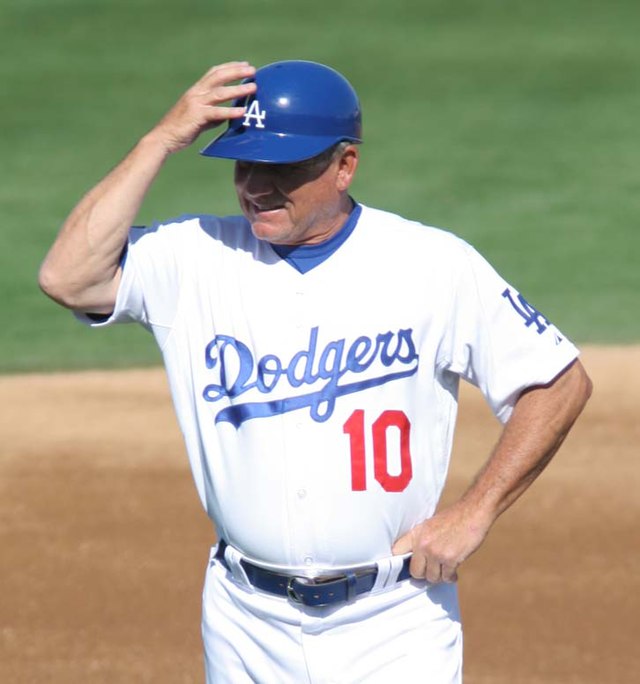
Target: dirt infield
{"type": "Point", "coordinates": [104, 542]}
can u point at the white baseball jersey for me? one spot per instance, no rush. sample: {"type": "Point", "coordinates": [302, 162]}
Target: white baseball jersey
{"type": "Point", "coordinates": [318, 409]}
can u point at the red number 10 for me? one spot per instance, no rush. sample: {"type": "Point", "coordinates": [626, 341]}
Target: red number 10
{"type": "Point", "coordinates": [354, 427]}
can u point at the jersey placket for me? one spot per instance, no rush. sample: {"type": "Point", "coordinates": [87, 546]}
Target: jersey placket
{"type": "Point", "coordinates": [299, 486]}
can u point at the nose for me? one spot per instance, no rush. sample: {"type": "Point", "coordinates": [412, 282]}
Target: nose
{"type": "Point", "coordinates": [254, 179]}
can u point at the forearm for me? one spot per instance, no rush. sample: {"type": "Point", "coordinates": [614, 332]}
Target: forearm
{"type": "Point", "coordinates": [81, 269]}
{"type": "Point", "coordinates": [539, 424]}
{"type": "Point", "coordinates": [540, 421]}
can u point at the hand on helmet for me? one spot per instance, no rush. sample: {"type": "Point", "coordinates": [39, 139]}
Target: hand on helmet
{"type": "Point", "coordinates": [199, 109]}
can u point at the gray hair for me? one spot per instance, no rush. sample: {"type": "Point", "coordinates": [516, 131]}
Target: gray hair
{"type": "Point", "coordinates": [328, 155]}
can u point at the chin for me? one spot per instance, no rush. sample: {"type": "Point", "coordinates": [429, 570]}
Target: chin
{"type": "Point", "coordinates": [269, 232]}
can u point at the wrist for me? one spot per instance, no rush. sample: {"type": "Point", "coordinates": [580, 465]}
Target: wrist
{"type": "Point", "coordinates": [480, 511]}
{"type": "Point", "coordinates": [154, 146]}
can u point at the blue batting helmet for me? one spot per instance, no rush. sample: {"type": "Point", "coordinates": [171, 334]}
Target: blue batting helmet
{"type": "Point", "coordinates": [299, 110]}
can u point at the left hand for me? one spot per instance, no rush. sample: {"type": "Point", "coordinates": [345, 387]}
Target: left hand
{"type": "Point", "coordinates": [441, 543]}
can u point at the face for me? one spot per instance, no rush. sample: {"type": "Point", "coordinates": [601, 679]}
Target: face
{"type": "Point", "coordinates": [296, 204]}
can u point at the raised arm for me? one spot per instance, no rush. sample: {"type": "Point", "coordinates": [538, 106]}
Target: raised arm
{"type": "Point", "coordinates": [538, 425]}
{"type": "Point", "coordinates": [82, 269]}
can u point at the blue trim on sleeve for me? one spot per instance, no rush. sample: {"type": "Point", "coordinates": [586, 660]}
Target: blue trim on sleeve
{"type": "Point", "coordinates": [101, 318]}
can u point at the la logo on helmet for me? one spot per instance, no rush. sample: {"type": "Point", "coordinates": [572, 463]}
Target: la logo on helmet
{"type": "Point", "coordinates": [254, 113]}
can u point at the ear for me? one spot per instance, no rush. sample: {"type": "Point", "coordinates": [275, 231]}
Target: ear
{"type": "Point", "coordinates": [347, 165]}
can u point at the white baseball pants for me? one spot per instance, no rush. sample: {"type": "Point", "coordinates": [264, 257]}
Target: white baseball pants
{"type": "Point", "coordinates": [403, 630]}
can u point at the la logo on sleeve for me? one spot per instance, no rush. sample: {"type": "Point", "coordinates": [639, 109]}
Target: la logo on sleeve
{"type": "Point", "coordinates": [255, 114]}
{"type": "Point", "coordinates": [530, 314]}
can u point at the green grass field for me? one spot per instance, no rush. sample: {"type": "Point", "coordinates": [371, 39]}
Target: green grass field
{"type": "Point", "coordinates": [510, 123]}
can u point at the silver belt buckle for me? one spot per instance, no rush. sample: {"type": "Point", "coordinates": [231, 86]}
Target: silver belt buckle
{"type": "Point", "coordinates": [294, 596]}
{"type": "Point", "coordinates": [291, 592]}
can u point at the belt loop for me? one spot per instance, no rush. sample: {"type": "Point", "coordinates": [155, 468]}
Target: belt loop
{"type": "Point", "coordinates": [233, 557]}
{"type": "Point", "coordinates": [352, 582]}
{"type": "Point", "coordinates": [388, 571]}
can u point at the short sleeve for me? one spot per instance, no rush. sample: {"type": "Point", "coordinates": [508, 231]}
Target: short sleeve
{"type": "Point", "coordinates": [497, 340]}
{"type": "Point", "coordinates": [149, 286]}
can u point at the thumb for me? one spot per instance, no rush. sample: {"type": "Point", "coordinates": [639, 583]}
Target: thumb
{"type": "Point", "coordinates": [403, 545]}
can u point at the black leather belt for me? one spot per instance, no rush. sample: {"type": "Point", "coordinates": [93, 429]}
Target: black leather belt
{"type": "Point", "coordinates": [307, 591]}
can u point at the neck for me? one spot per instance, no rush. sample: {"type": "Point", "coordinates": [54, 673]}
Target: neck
{"type": "Point", "coordinates": [331, 225]}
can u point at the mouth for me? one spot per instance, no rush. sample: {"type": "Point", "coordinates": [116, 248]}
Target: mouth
{"type": "Point", "coordinates": [265, 209]}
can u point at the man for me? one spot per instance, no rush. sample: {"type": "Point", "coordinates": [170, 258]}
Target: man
{"type": "Point", "coordinates": [313, 348]}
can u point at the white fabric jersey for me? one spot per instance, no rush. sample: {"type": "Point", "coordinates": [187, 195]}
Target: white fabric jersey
{"type": "Point", "coordinates": [318, 409]}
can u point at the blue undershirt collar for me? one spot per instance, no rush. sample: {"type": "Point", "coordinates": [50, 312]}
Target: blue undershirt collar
{"type": "Point", "coordinates": [305, 257]}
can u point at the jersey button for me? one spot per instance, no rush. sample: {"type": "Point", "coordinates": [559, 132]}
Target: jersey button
{"type": "Point", "coordinates": [302, 493]}
{"type": "Point", "coordinates": [308, 560]}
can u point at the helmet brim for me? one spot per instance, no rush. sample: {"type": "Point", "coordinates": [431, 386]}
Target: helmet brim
{"type": "Point", "coordinates": [268, 147]}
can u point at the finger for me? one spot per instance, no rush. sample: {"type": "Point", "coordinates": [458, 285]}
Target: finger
{"type": "Point", "coordinates": [418, 566]}
{"type": "Point", "coordinates": [226, 65]}
{"type": "Point", "coordinates": [218, 115]}
{"type": "Point", "coordinates": [433, 574]}
{"type": "Point", "coordinates": [200, 96]}
{"type": "Point", "coordinates": [208, 108]}
{"type": "Point", "coordinates": [449, 574]}
{"type": "Point", "coordinates": [403, 545]}
{"type": "Point", "coordinates": [220, 94]}
{"type": "Point", "coordinates": [241, 90]}
{"type": "Point", "coordinates": [226, 74]}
